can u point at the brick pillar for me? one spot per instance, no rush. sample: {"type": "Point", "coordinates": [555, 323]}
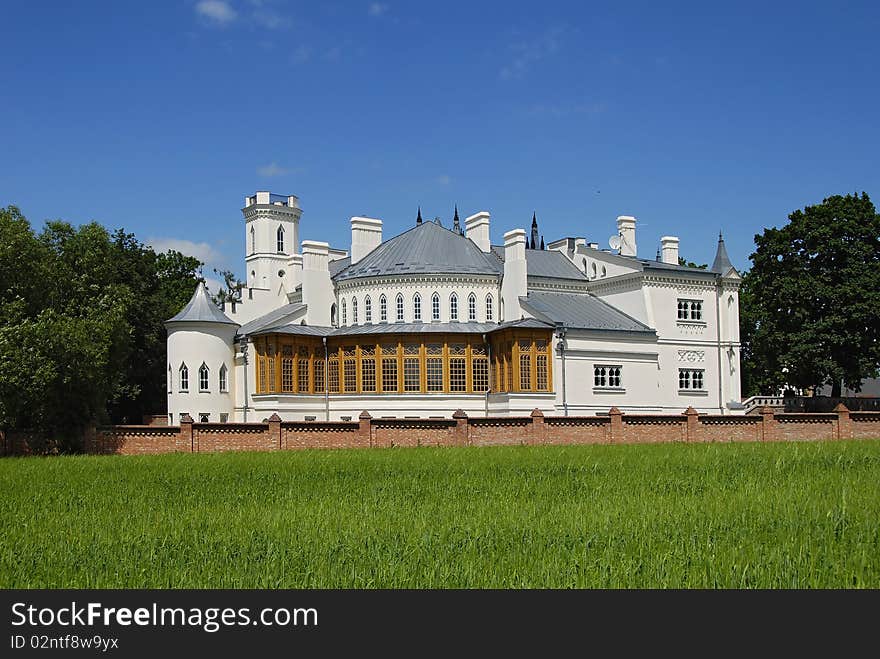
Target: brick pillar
{"type": "Point", "coordinates": [364, 429]}
{"type": "Point", "coordinates": [275, 430]}
{"type": "Point", "coordinates": [692, 421]}
{"type": "Point", "coordinates": [186, 433]}
{"type": "Point", "coordinates": [616, 428]}
{"type": "Point", "coordinates": [538, 427]}
{"type": "Point", "coordinates": [844, 423]}
{"type": "Point", "coordinates": [768, 424]}
{"type": "Point", "coordinates": [461, 428]}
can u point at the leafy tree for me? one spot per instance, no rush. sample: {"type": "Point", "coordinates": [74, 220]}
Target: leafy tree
{"type": "Point", "coordinates": [231, 290]}
{"type": "Point", "coordinates": [810, 305]}
{"type": "Point", "coordinates": [691, 264]}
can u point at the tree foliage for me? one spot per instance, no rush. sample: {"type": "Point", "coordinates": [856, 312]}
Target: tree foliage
{"type": "Point", "coordinates": [691, 264]}
{"type": "Point", "coordinates": [82, 336]}
{"type": "Point", "coordinates": [810, 305]}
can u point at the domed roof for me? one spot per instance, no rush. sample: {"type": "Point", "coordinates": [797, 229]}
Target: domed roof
{"type": "Point", "coordinates": [201, 309]}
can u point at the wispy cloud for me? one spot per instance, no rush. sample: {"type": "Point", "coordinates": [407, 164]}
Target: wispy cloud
{"type": "Point", "coordinates": [202, 251]}
{"type": "Point", "coordinates": [274, 169]}
{"type": "Point", "coordinates": [271, 19]}
{"type": "Point", "coordinates": [301, 55]}
{"type": "Point", "coordinates": [443, 179]}
{"type": "Point", "coordinates": [377, 8]}
{"type": "Point", "coordinates": [216, 12]}
{"type": "Point", "coordinates": [529, 50]}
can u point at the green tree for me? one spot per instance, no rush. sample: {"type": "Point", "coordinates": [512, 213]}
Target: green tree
{"type": "Point", "coordinates": [810, 305]}
{"type": "Point", "coordinates": [231, 289]}
{"type": "Point", "coordinates": [691, 264]}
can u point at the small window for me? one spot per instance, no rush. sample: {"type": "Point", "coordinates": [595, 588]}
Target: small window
{"type": "Point", "coordinates": [417, 308]}
{"type": "Point", "coordinates": [489, 311]}
{"type": "Point", "coordinates": [453, 307]}
{"type": "Point", "coordinates": [204, 417]}
{"type": "Point", "coordinates": [354, 310]}
{"type": "Point", "coordinates": [203, 377]}
{"type": "Point", "coordinates": [333, 315]}
{"type": "Point", "coordinates": [399, 308]}
{"type": "Point", "coordinates": [383, 309]}
{"type": "Point", "coordinates": [279, 238]}
{"type": "Point", "coordinates": [593, 271]}
{"type": "Point", "coordinates": [170, 380]}
{"type": "Point", "coordinates": [224, 417]}
{"type": "Point", "coordinates": [604, 271]}
{"type": "Point", "coordinates": [690, 379]}
{"type": "Point", "coordinates": [184, 378]}
{"type": "Point", "coordinates": [368, 310]}
{"type": "Point", "coordinates": [253, 242]}
{"type": "Point", "coordinates": [472, 307]}
{"type": "Point", "coordinates": [344, 312]}
{"type": "Point", "coordinates": [606, 377]}
{"type": "Point", "coordinates": [224, 387]}
{"type": "Point", "coordinates": [435, 307]}
{"type": "Point", "coordinates": [690, 309]}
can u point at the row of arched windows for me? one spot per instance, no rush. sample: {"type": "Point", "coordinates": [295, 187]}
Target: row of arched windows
{"type": "Point", "coordinates": [204, 378]}
{"type": "Point", "coordinates": [279, 240]}
{"type": "Point", "coordinates": [416, 309]}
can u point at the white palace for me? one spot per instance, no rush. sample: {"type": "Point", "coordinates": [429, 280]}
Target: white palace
{"type": "Point", "coordinates": [437, 319]}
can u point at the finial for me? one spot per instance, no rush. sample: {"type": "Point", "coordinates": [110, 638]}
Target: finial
{"type": "Point", "coordinates": [419, 216]}
{"type": "Point", "coordinates": [455, 225]}
{"type": "Point", "coordinates": [534, 219]}
{"type": "Point", "coordinates": [542, 242]}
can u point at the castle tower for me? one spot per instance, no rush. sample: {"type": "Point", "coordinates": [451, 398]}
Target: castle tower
{"type": "Point", "coordinates": [271, 238]}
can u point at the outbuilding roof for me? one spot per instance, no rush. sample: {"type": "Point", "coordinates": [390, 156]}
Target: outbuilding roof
{"type": "Point", "coordinates": [580, 311]}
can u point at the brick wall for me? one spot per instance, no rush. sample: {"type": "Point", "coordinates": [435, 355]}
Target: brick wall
{"type": "Point", "coordinates": [536, 429]}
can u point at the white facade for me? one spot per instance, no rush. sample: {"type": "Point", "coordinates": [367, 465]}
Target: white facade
{"type": "Point", "coordinates": [645, 336]}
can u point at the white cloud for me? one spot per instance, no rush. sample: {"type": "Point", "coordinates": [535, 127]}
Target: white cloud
{"type": "Point", "coordinates": [271, 20]}
{"type": "Point", "coordinates": [526, 52]}
{"type": "Point", "coordinates": [443, 179]}
{"type": "Point", "coordinates": [273, 169]}
{"type": "Point", "coordinates": [301, 55]}
{"type": "Point", "coordinates": [218, 12]}
{"type": "Point", "coordinates": [202, 251]}
{"type": "Point", "coordinates": [213, 285]}
{"type": "Point", "coordinates": [377, 8]}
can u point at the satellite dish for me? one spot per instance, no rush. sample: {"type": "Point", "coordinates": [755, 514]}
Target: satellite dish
{"type": "Point", "coordinates": [614, 242]}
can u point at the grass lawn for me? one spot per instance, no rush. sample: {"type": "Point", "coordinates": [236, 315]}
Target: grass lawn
{"type": "Point", "coordinates": [781, 515]}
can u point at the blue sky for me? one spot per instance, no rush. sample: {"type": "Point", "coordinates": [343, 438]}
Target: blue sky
{"type": "Point", "coordinates": [160, 117]}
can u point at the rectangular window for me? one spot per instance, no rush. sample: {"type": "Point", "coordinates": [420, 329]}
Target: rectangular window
{"type": "Point", "coordinates": [319, 376]}
{"type": "Point", "coordinates": [333, 375]}
{"type": "Point", "coordinates": [606, 376]}
{"type": "Point", "coordinates": [525, 371]}
{"type": "Point", "coordinates": [480, 374]}
{"type": "Point", "coordinates": [541, 372]}
{"type": "Point", "coordinates": [349, 368]}
{"type": "Point", "coordinates": [368, 374]}
{"type": "Point", "coordinates": [389, 374]}
{"type": "Point", "coordinates": [224, 417]}
{"type": "Point", "coordinates": [270, 361]}
{"type": "Point", "coordinates": [261, 366]}
{"type": "Point", "coordinates": [457, 374]}
{"type": "Point", "coordinates": [411, 374]}
{"type": "Point", "coordinates": [434, 373]}
{"type": "Point", "coordinates": [302, 370]}
{"type": "Point", "coordinates": [690, 309]}
{"type": "Point", "coordinates": [287, 368]}
{"type": "Point", "coordinates": [689, 378]}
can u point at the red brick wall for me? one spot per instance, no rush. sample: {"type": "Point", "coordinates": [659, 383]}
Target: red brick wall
{"type": "Point", "coordinates": [615, 427]}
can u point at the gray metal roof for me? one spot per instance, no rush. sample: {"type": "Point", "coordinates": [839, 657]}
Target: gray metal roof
{"type": "Point", "coordinates": [295, 329]}
{"type": "Point", "coordinates": [201, 309]}
{"type": "Point", "coordinates": [659, 265]}
{"type": "Point", "coordinates": [546, 263]}
{"type": "Point", "coordinates": [416, 328]}
{"type": "Point", "coordinates": [721, 264]}
{"type": "Point", "coordinates": [338, 265]}
{"type": "Point", "coordinates": [271, 319]}
{"type": "Point", "coordinates": [580, 311]}
{"type": "Point", "coordinates": [427, 248]}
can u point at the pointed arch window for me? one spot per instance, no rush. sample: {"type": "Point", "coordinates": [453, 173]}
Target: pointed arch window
{"type": "Point", "coordinates": [224, 379]}
{"type": "Point", "coordinates": [279, 239]}
{"type": "Point", "coordinates": [368, 310]}
{"type": "Point", "coordinates": [472, 307]}
{"type": "Point", "coordinates": [344, 312]}
{"type": "Point", "coordinates": [417, 308]}
{"type": "Point", "coordinates": [435, 306]}
{"type": "Point", "coordinates": [383, 308]}
{"type": "Point", "coordinates": [333, 314]}
{"type": "Point", "coordinates": [170, 380]}
{"type": "Point", "coordinates": [354, 310]}
{"type": "Point", "coordinates": [489, 310]}
{"type": "Point", "coordinates": [253, 241]}
{"type": "Point", "coordinates": [399, 308]}
{"type": "Point", "coordinates": [184, 378]}
{"type": "Point", "coordinates": [203, 377]}
{"type": "Point", "coordinates": [453, 307]}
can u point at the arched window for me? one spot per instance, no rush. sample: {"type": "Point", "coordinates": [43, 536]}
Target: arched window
{"type": "Point", "coordinates": [279, 238]}
{"type": "Point", "coordinates": [489, 311]}
{"type": "Point", "coordinates": [435, 307]}
{"type": "Point", "coordinates": [417, 308]}
{"type": "Point", "coordinates": [453, 307]}
{"type": "Point", "coordinates": [604, 271]}
{"type": "Point", "coordinates": [585, 265]}
{"type": "Point", "coordinates": [344, 312]}
{"type": "Point", "coordinates": [593, 270]}
{"type": "Point", "coordinates": [472, 307]}
{"type": "Point", "coordinates": [354, 311]}
{"type": "Point", "coordinates": [170, 379]}
{"type": "Point", "coordinates": [368, 310]}
{"type": "Point", "coordinates": [253, 241]}
{"type": "Point", "coordinates": [224, 381]}
{"type": "Point", "coordinates": [184, 378]}
{"type": "Point", "coordinates": [333, 315]}
{"type": "Point", "coordinates": [203, 377]}
{"type": "Point", "coordinates": [399, 308]}
{"type": "Point", "coordinates": [383, 308]}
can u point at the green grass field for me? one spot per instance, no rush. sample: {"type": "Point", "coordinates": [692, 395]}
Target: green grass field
{"type": "Point", "coordinates": [720, 515]}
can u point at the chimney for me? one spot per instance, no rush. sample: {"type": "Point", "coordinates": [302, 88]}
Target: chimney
{"type": "Point", "coordinates": [626, 227]}
{"type": "Point", "coordinates": [366, 235]}
{"type": "Point", "coordinates": [669, 250]}
{"type": "Point", "coordinates": [477, 229]}
{"type": "Point", "coordinates": [317, 289]}
{"type": "Point", "coordinates": [295, 267]}
{"type": "Point", "coordinates": [514, 285]}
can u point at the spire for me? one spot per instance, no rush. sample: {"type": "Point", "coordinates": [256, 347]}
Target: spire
{"type": "Point", "coordinates": [542, 242]}
{"type": "Point", "coordinates": [201, 309]}
{"type": "Point", "coordinates": [722, 263]}
{"type": "Point", "coordinates": [658, 255]}
{"type": "Point", "coordinates": [527, 243]}
{"type": "Point", "coordinates": [419, 216]}
{"type": "Point", "coordinates": [535, 238]}
{"type": "Point", "coordinates": [455, 225]}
